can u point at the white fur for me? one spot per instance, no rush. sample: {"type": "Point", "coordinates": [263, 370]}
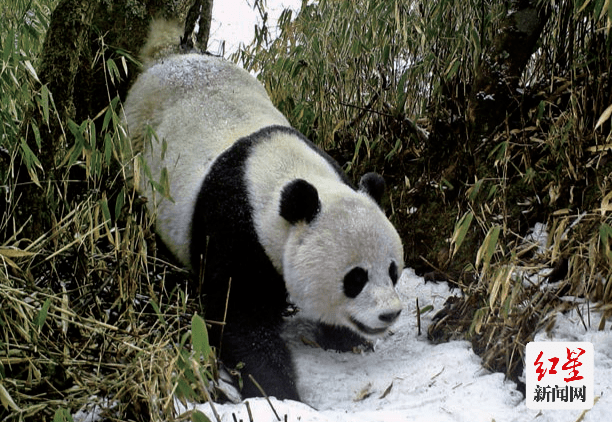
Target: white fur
{"type": "Point", "coordinates": [350, 231]}
{"type": "Point", "coordinates": [208, 104]}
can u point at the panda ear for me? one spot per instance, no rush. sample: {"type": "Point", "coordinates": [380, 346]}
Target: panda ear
{"type": "Point", "coordinates": [299, 201]}
{"type": "Point", "coordinates": [374, 185]}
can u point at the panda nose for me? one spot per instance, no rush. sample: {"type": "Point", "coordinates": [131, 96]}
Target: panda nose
{"type": "Point", "coordinates": [389, 317]}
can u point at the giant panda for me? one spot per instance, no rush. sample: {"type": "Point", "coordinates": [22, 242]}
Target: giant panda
{"type": "Point", "coordinates": [258, 212]}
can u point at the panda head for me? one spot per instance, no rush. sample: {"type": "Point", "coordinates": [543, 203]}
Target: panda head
{"type": "Point", "coordinates": [343, 257]}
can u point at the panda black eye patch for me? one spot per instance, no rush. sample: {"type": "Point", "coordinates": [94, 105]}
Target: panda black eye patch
{"type": "Point", "coordinates": [393, 273]}
{"type": "Point", "coordinates": [354, 282]}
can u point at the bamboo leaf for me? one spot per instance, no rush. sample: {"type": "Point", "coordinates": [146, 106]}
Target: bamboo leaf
{"type": "Point", "coordinates": [15, 253]}
{"type": "Point", "coordinates": [28, 65]}
{"type": "Point", "coordinates": [113, 71]}
{"type": "Point", "coordinates": [105, 210]}
{"type": "Point", "coordinates": [604, 116]}
{"type": "Point", "coordinates": [7, 400]}
{"type": "Point", "coordinates": [461, 229]}
{"type": "Point", "coordinates": [199, 337]}
{"type": "Point", "coordinates": [39, 321]}
{"type": "Point", "coordinates": [108, 148]}
{"type": "Point", "coordinates": [487, 249]}
{"type": "Point", "coordinates": [119, 203]}
{"type": "Point", "coordinates": [44, 96]}
{"type": "Point", "coordinates": [62, 415]}
{"type": "Point", "coordinates": [501, 282]}
{"type": "Point", "coordinates": [197, 416]}
{"type": "Point", "coordinates": [605, 234]}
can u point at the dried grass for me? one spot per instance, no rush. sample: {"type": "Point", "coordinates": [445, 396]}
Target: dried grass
{"type": "Point", "coordinates": [90, 320]}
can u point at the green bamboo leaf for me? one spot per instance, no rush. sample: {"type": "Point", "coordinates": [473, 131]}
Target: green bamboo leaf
{"type": "Point", "coordinates": [44, 97]}
{"type": "Point", "coordinates": [92, 133]}
{"type": "Point", "coordinates": [108, 148]}
{"type": "Point", "coordinates": [164, 184]}
{"type": "Point", "coordinates": [197, 416]}
{"type": "Point", "coordinates": [461, 229]}
{"type": "Point", "coordinates": [605, 234]}
{"type": "Point", "coordinates": [164, 148]}
{"type": "Point", "coordinates": [113, 71]}
{"type": "Point", "coordinates": [105, 210]}
{"type": "Point", "coordinates": [474, 190]}
{"type": "Point", "coordinates": [184, 389]}
{"type": "Point", "coordinates": [31, 161]}
{"type": "Point", "coordinates": [119, 203]}
{"type": "Point", "coordinates": [36, 132]}
{"type": "Point", "coordinates": [199, 337]}
{"type": "Point", "coordinates": [62, 415]}
{"type": "Point", "coordinates": [158, 312]}
{"type": "Point", "coordinates": [39, 321]}
{"type": "Point", "coordinates": [8, 46]}
{"type": "Point", "coordinates": [107, 119]}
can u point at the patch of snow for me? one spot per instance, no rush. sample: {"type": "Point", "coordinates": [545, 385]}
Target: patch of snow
{"type": "Point", "coordinates": [407, 378]}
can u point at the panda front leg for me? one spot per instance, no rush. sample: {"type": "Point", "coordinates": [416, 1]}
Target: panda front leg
{"type": "Point", "coordinates": [265, 356]}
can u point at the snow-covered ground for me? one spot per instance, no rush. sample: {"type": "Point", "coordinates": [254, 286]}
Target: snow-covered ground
{"type": "Point", "coordinates": [408, 379]}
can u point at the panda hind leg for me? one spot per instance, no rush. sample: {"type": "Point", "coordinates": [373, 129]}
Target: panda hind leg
{"type": "Point", "coordinates": [265, 356]}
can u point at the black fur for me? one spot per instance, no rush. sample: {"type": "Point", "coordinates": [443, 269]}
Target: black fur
{"type": "Point", "coordinates": [299, 202]}
{"type": "Point", "coordinates": [224, 238]}
{"type": "Point", "coordinates": [374, 185]}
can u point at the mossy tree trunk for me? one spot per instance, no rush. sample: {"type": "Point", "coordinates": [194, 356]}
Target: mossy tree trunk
{"type": "Point", "coordinates": [66, 38]}
{"type": "Point", "coordinates": [81, 36]}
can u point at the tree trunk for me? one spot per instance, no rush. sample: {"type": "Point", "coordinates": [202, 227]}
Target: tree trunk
{"type": "Point", "coordinates": [80, 33]}
{"type": "Point", "coordinates": [200, 13]}
{"type": "Point", "coordinates": [501, 66]}
{"type": "Point", "coordinates": [66, 37]}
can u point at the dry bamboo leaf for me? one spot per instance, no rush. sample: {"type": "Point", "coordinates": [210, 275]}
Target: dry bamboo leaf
{"type": "Point", "coordinates": [364, 393]}
{"type": "Point", "coordinates": [604, 116]}
{"type": "Point", "coordinates": [606, 203]}
{"type": "Point", "coordinates": [7, 400]}
{"type": "Point", "coordinates": [586, 3]}
{"type": "Point", "coordinates": [387, 391]}
{"type": "Point", "coordinates": [14, 253]}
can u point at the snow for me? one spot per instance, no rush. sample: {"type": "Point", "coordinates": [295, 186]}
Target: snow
{"type": "Point", "coordinates": [425, 382]}
{"type": "Point", "coordinates": [233, 22]}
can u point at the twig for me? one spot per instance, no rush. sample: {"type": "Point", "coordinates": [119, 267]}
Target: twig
{"type": "Point", "coordinates": [418, 317]}
{"type": "Point", "coordinates": [261, 390]}
{"type": "Point", "coordinates": [200, 13]}
{"type": "Point", "coordinates": [229, 286]}
{"type": "Point", "coordinates": [196, 369]}
{"type": "Point", "coordinates": [248, 406]}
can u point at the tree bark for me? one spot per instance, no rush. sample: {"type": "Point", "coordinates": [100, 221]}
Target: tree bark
{"type": "Point", "coordinates": [79, 88]}
{"type": "Point", "coordinates": [200, 13]}
{"type": "Point", "coordinates": [501, 66]}
{"type": "Point", "coordinates": [66, 37]}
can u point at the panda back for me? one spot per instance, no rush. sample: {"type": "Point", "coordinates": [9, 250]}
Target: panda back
{"type": "Point", "coordinates": [198, 106]}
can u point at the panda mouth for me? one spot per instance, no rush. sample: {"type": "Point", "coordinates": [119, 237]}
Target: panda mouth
{"type": "Point", "coordinates": [365, 329]}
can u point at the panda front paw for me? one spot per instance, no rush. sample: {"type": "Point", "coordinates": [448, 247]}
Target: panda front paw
{"type": "Point", "coordinates": [342, 339]}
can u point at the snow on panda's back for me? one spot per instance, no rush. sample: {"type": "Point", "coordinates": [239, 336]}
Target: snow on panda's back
{"type": "Point", "coordinates": [178, 97]}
